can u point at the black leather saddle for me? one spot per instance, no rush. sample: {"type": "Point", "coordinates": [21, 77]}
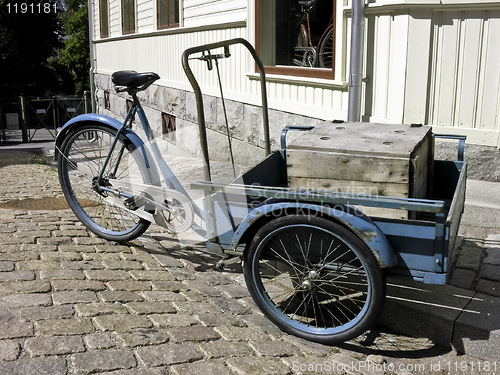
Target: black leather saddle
{"type": "Point", "coordinates": [133, 80]}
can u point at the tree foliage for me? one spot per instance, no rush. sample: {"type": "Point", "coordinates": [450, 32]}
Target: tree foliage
{"type": "Point", "coordinates": [75, 54]}
{"type": "Point", "coordinates": [43, 52]}
{"type": "Point", "coordinates": [27, 41]}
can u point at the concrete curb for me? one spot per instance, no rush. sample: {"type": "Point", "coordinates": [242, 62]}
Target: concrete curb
{"type": "Point", "coordinates": [451, 317]}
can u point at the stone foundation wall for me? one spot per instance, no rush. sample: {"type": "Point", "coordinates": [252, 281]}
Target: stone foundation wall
{"type": "Point", "coordinates": [244, 120]}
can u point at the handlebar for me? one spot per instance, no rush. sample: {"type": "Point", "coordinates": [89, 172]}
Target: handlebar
{"type": "Point", "coordinates": [208, 57]}
{"type": "Point", "coordinates": [461, 143]}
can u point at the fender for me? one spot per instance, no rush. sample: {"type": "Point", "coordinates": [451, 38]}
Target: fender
{"type": "Point", "coordinates": [96, 119]}
{"type": "Point", "coordinates": [356, 221]}
{"type": "Point", "coordinates": [130, 135]}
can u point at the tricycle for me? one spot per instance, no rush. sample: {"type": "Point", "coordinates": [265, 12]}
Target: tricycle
{"type": "Point", "coordinates": [313, 262]}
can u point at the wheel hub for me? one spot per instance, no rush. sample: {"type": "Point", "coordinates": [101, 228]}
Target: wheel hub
{"type": "Point", "coordinates": [96, 185]}
{"type": "Point", "coordinates": [308, 283]}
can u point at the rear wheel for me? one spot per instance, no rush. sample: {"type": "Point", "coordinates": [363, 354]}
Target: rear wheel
{"type": "Point", "coordinates": [82, 155]}
{"type": "Point", "coordinates": [325, 49]}
{"type": "Point", "coordinates": [313, 278]}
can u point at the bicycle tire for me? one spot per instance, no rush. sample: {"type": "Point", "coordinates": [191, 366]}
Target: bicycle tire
{"type": "Point", "coordinates": [314, 278]}
{"type": "Point", "coordinates": [325, 51]}
{"type": "Point", "coordinates": [302, 38]}
{"type": "Point", "coordinates": [82, 154]}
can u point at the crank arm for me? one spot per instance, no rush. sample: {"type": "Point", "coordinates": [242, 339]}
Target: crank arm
{"type": "Point", "coordinates": [156, 192]}
{"type": "Point", "coordinates": [161, 198]}
{"type": "Point", "coordinates": [118, 202]}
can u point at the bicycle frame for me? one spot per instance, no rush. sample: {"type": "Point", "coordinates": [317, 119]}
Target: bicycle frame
{"type": "Point", "coordinates": [212, 237]}
{"type": "Point", "coordinates": [151, 159]}
{"type": "Point", "coordinates": [152, 155]}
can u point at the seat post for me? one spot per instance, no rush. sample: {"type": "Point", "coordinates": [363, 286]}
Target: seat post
{"type": "Point", "coordinates": [141, 114]}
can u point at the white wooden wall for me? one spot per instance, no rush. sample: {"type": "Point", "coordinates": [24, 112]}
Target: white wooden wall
{"type": "Point", "coordinates": [146, 16]}
{"type": "Point", "coordinates": [465, 83]}
{"type": "Point", "coordinates": [385, 69]}
{"type": "Point", "coordinates": [209, 12]}
{"type": "Point", "coordinates": [434, 64]}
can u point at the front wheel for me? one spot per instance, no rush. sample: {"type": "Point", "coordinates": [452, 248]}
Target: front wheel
{"type": "Point", "coordinates": [313, 278]}
{"type": "Point", "coordinates": [81, 159]}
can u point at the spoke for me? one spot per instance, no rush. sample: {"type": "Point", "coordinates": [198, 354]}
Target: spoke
{"type": "Point", "coordinates": [86, 155]}
{"type": "Point", "coordinates": [292, 264]}
{"type": "Point", "coordinates": [340, 298]}
{"type": "Point", "coordinates": [306, 262]}
{"type": "Point", "coordinates": [333, 261]}
{"type": "Point", "coordinates": [347, 273]}
{"type": "Point", "coordinates": [344, 282]}
{"type": "Point", "coordinates": [298, 307]}
{"type": "Point", "coordinates": [309, 246]}
{"type": "Point", "coordinates": [313, 299]}
{"type": "Point", "coordinates": [278, 296]}
{"type": "Point", "coordinates": [321, 312]}
{"type": "Point", "coordinates": [335, 318]}
{"type": "Point", "coordinates": [273, 268]}
{"type": "Point", "coordinates": [290, 300]}
{"type": "Point", "coordinates": [287, 254]}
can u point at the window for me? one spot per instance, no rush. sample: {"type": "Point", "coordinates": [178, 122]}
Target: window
{"type": "Point", "coordinates": [168, 126]}
{"type": "Point", "coordinates": [295, 37]}
{"type": "Point", "coordinates": [128, 16]}
{"type": "Point", "coordinates": [168, 13]}
{"type": "Point", "coordinates": [104, 18]}
{"type": "Point", "coordinates": [107, 103]}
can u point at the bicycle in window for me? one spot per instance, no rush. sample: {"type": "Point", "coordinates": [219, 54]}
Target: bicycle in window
{"type": "Point", "coordinates": [307, 53]}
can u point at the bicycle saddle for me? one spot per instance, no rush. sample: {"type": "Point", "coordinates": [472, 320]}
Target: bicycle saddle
{"type": "Point", "coordinates": [307, 3]}
{"type": "Point", "coordinates": [133, 80]}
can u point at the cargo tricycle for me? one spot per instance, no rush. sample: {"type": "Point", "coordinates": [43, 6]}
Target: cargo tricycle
{"type": "Point", "coordinates": [313, 261]}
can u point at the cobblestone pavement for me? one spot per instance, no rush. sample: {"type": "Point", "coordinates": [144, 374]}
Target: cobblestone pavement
{"type": "Point", "coordinates": [71, 303]}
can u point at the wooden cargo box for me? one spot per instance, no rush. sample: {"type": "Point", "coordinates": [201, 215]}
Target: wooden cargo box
{"type": "Point", "coordinates": [363, 158]}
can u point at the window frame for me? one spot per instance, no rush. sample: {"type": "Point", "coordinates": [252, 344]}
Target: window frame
{"type": "Point", "coordinates": [133, 13]}
{"type": "Point", "coordinates": [158, 17]}
{"type": "Point", "coordinates": [296, 71]}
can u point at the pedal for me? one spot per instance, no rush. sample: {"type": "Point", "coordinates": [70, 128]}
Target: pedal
{"type": "Point", "coordinates": [133, 203]}
{"type": "Point", "coordinates": [221, 264]}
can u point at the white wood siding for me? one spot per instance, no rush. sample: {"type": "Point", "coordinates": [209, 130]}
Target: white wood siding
{"type": "Point", "coordinates": [209, 12]}
{"type": "Point", "coordinates": [465, 78]}
{"type": "Point", "coordinates": [162, 54]}
{"type": "Point", "coordinates": [115, 25]}
{"type": "Point", "coordinates": [435, 66]}
{"type": "Point", "coordinates": [432, 64]}
{"type": "Point", "coordinates": [96, 26]}
{"type": "Point", "coordinates": [146, 18]}
{"type": "Point", "coordinates": [387, 39]}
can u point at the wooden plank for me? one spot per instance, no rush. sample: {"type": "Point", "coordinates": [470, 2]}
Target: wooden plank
{"type": "Point", "coordinates": [394, 140]}
{"type": "Point", "coordinates": [352, 187]}
{"type": "Point", "coordinates": [384, 213]}
{"type": "Point", "coordinates": [339, 166]}
{"type": "Point", "coordinates": [419, 170]}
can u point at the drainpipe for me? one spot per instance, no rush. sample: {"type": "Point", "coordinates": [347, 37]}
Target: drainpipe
{"type": "Point", "coordinates": [91, 45]}
{"type": "Point", "coordinates": [356, 60]}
